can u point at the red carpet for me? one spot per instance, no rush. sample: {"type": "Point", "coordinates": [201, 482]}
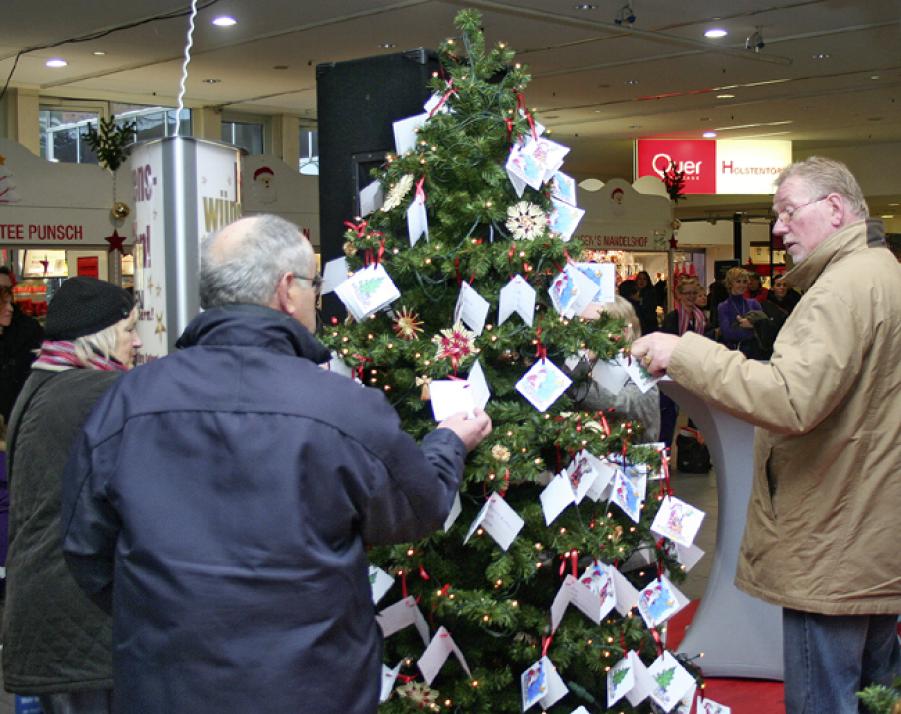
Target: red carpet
{"type": "Point", "coordinates": [743, 696]}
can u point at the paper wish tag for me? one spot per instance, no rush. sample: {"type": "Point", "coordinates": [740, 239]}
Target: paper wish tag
{"type": "Point", "coordinates": [563, 187]}
{"type": "Point", "coordinates": [629, 494]}
{"type": "Point", "coordinates": [688, 556]}
{"type": "Point", "coordinates": [555, 497]}
{"type": "Point", "coordinates": [603, 275]}
{"type": "Point", "coordinates": [542, 684]}
{"type": "Point", "coordinates": [440, 648]}
{"type": "Point", "coordinates": [389, 677]}
{"type": "Point", "coordinates": [335, 273]}
{"type": "Point", "coordinates": [498, 520]}
{"type": "Point", "coordinates": [571, 291]}
{"type": "Point", "coordinates": [519, 297]}
{"type": "Point", "coordinates": [405, 132]}
{"type": "Point", "coordinates": [677, 521]}
{"type": "Point", "coordinates": [671, 681]}
{"type": "Point", "coordinates": [437, 104]}
{"type": "Point", "coordinates": [380, 582]}
{"type": "Point", "coordinates": [598, 579]}
{"type": "Point", "coordinates": [402, 614]}
{"type": "Point", "coordinates": [543, 384]}
{"type": "Point", "coordinates": [626, 593]}
{"type": "Point", "coordinates": [643, 379]}
{"type": "Point", "coordinates": [564, 219]}
{"type": "Point", "coordinates": [684, 705]}
{"type": "Point", "coordinates": [451, 396]}
{"type": "Point", "coordinates": [481, 392]}
{"type": "Point", "coordinates": [547, 154]}
{"type": "Point", "coordinates": [602, 486]}
{"type": "Point", "coordinates": [417, 219]}
{"type": "Point", "coordinates": [659, 601]}
{"type": "Point", "coordinates": [372, 196]}
{"type": "Point", "coordinates": [367, 290]}
{"type": "Point", "coordinates": [524, 168]}
{"type": "Point", "coordinates": [610, 376]}
{"type": "Point", "coordinates": [471, 308]}
{"type": "Point", "coordinates": [572, 591]}
{"type": "Point", "coordinates": [456, 509]}
{"type": "Point", "coordinates": [583, 471]}
{"type": "Point", "coordinates": [708, 706]}
{"type": "Point", "coordinates": [628, 678]}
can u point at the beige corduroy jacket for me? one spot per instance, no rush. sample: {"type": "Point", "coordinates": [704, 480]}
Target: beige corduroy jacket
{"type": "Point", "coordinates": [824, 522]}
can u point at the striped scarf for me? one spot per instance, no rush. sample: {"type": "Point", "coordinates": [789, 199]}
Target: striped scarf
{"type": "Point", "coordinates": [59, 355]}
{"type": "Point", "coordinates": [691, 319]}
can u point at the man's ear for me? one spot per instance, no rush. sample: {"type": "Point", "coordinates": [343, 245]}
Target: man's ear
{"type": "Point", "coordinates": [281, 300]}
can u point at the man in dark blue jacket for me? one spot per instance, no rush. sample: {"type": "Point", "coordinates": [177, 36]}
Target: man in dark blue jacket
{"type": "Point", "coordinates": [220, 500]}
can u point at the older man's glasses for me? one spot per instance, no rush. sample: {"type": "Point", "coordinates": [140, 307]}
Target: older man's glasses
{"type": "Point", "coordinates": [786, 214]}
{"type": "Point", "coordinates": [315, 281]}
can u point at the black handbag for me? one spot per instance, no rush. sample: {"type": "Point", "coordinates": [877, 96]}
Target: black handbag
{"type": "Point", "coordinates": [692, 455]}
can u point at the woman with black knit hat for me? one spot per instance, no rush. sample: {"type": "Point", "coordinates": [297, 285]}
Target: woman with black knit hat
{"type": "Point", "coordinates": [56, 642]}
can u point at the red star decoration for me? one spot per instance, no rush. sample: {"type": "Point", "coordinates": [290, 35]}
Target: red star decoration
{"type": "Point", "coordinates": [115, 241]}
{"type": "Point", "coordinates": [673, 243]}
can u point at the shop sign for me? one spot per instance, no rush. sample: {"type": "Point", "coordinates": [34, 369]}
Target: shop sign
{"type": "Point", "coordinates": [716, 167]}
{"type": "Point", "coordinates": [602, 241]}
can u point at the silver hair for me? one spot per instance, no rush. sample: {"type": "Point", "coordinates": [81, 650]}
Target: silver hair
{"type": "Point", "coordinates": [270, 247]}
{"type": "Point", "coordinates": [827, 176]}
{"type": "Point", "coordinates": [100, 343]}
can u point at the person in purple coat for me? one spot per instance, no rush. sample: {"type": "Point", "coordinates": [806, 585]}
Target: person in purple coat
{"type": "Point", "coordinates": [736, 330]}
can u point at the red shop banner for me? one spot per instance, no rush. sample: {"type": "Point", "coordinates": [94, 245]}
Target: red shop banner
{"type": "Point", "coordinates": [696, 157]}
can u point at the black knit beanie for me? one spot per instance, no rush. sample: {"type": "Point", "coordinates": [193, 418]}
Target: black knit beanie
{"type": "Point", "coordinates": [84, 306]}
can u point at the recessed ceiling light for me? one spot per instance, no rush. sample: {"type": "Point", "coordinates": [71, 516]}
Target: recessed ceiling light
{"type": "Point", "coordinates": [874, 76]}
{"type": "Point", "coordinates": [894, 204]}
{"type": "Point", "coordinates": [585, 6]}
{"type": "Point", "coordinates": [56, 62]}
{"type": "Point", "coordinates": [212, 81]}
{"type": "Point", "coordinates": [224, 21]}
{"type": "Point", "coordinates": [725, 96]}
{"type": "Point", "coordinates": [715, 32]}
{"type": "Point", "coordinates": [630, 82]}
{"type": "Point", "coordinates": [887, 215]}
{"type": "Point", "coordinates": [709, 134]}
{"type": "Point", "coordinates": [387, 45]}
{"type": "Point", "coordinates": [821, 56]}
{"type": "Point", "coordinates": [98, 53]}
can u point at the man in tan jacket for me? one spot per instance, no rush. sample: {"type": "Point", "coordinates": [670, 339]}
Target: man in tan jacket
{"type": "Point", "coordinates": [821, 538]}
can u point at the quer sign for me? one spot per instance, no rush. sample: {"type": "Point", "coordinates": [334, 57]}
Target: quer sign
{"type": "Point", "coordinates": [716, 167]}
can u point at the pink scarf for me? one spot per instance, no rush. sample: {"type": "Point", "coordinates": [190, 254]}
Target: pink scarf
{"type": "Point", "coordinates": [59, 355]}
{"type": "Point", "coordinates": [687, 317]}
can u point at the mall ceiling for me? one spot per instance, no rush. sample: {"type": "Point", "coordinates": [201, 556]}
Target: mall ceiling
{"type": "Point", "coordinates": [818, 72]}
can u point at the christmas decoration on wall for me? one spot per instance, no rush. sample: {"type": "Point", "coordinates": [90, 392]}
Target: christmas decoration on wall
{"type": "Point", "coordinates": [481, 174]}
{"type": "Point", "coordinates": [108, 141]}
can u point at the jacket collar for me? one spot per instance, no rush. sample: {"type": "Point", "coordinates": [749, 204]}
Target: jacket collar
{"type": "Point", "coordinates": [848, 240]}
{"type": "Point", "coordinates": [252, 326]}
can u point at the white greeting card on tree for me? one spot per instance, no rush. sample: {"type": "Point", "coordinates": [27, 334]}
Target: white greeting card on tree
{"type": "Point", "coordinates": [688, 556]}
{"type": "Point", "coordinates": [628, 678]}
{"type": "Point", "coordinates": [629, 494]}
{"type": "Point", "coordinates": [547, 154]}
{"type": "Point", "coordinates": [524, 166]}
{"type": "Point", "coordinates": [405, 131]}
{"type": "Point", "coordinates": [380, 582]}
{"type": "Point", "coordinates": [417, 220]}
{"type": "Point", "coordinates": [335, 273]}
{"type": "Point", "coordinates": [602, 486]}
{"type": "Point", "coordinates": [519, 297]}
{"type": "Point", "coordinates": [637, 372]}
{"type": "Point", "coordinates": [563, 187]}
{"type": "Point", "coordinates": [582, 473]}
{"type": "Point", "coordinates": [610, 376]}
{"type": "Point", "coordinates": [402, 614]}
{"type": "Point", "coordinates": [626, 593]}
{"type": "Point", "coordinates": [555, 497]}
{"type": "Point", "coordinates": [677, 521]}
{"type": "Point", "coordinates": [455, 511]}
{"type": "Point", "coordinates": [603, 275]}
{"type": "Point", "coordinates": [671, 681]}
{"type": "Point", "coordinates": [708, 706]}
{"type": "Point", "coordinates": [571, 291]}
{"type": "Point", "coordinates": [481, 392]}
{"type": "Point", "coordinates": [389, 677]}
{"type": "Point", "coordinates": [580, 710]}
{"type": "Point", "coordinates": [471, 308]}
{"type": "Point", "coordinates": [542, 684]}
{"type": "Point", "coordinates": [564, 219]}
{"type": "Point", "coordinates": [498, 520]}
{"type": "Point", "coordinates": [598, 579]}
{"type": "Point", "coordinates": [659, 601]}
{"type": "Point", "coordinates": [367, 290]}
{"type": "Point", "coordinates": [543, 384]}
{"type": "Point", "coordinates": [433, 102]}
{"type": "Point", "coordinates": [372, 196]}
{"type": "Point", "coordinates": [684, 705]}
{"type": "Point", "coordinates": [449, 397]}
{"type": "Point", "coordinates": [440, 648]}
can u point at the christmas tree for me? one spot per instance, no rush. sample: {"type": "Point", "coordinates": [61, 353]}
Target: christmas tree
{"type": "Point", "coordinates": [453, 221]}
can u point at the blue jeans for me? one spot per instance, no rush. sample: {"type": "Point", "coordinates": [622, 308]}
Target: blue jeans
{"type": "Point", "coordinates": [830, 657]}
{"type": "Point", "coordinates": [92, 701]}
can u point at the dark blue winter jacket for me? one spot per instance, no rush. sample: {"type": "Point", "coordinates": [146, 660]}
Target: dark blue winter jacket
{"type": "Point", "coordinates": [223, 497]}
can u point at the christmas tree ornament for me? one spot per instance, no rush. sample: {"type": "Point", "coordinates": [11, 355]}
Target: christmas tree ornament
{"type": "Point", "coordinates": [407, 324]}
{"type": "Point", "coordinates": [397, 193]}
{"type": "Point", "coordinates": [120, 210]}
{"type": "Point", "coordinates": [526, 221]}
{"type": "Point", "coordinates": [349, 249]}
{"type": "Point", "coordinates": [454, 344]}
{"type": "Point", "coordinates": [418, 693]}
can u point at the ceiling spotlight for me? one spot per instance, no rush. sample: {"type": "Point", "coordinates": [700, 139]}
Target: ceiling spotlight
{"type": "Point", "coordinates": [585, 6]}
{"type": "Point", "coordinates": [98, 53]}
{"type": "Point", "coordinates": [212, 81]}
{"type": "Point", "coordinates": [715, 32]}
{"type": "Point", "coordinates": [56, 62]}
{"type": "Point", "coordinates": [625, 16]}
{"type": "Point", "coordinates": [755, 41]}
{"type": "Point", "coordinates": [224, 21]}
{"type": "Point", "coordinates": [709, 135]}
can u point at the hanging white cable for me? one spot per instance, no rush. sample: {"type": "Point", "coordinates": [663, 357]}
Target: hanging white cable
{"type": "Point", "coordinates": [184, 68]}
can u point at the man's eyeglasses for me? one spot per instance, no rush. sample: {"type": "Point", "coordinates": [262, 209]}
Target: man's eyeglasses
{"type": "Point", "coordinates": [315, 281]}
{"type": "Point", "coordinates": [786, 214]}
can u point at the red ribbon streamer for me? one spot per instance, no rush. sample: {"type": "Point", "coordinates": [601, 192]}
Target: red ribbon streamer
{"type": "Point", "coordinates": [503, 491]}
{"type": "Point", "coordinates": [420, 194]}
{"type": "Point", "coordinates": [443, 99]}
{"type": "Point", "coordinates": [545, 644]}
{"type": "Point", "coordinates": [422, 573]}
{"type": "Point", "coordinates": [360, 227]}
{"type": "Point", "coordinates": [403, 584]}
